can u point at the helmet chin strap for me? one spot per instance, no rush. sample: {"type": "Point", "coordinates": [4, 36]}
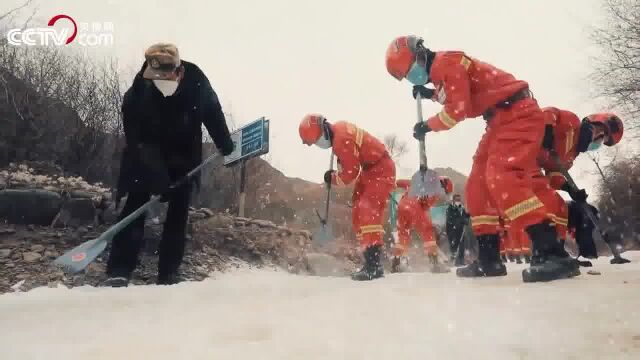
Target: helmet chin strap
{"type": "Point", "coordinates": [585, 137]}
{"type": "Point", "coordinates": [325, 140]}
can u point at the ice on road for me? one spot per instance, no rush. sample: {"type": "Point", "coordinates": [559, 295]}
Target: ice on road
{"type": "Point", "coordinates": [264, 314]}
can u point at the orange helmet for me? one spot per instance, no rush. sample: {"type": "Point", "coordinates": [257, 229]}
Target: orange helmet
{"type": "Point", "coordinates": [447, 184]}
{"type": "Point", "coordinates": [612, 124]}
{"type": "Point", "coordinates": [402, 53]}
{"type": "Point", "coordinates": [310, 128]}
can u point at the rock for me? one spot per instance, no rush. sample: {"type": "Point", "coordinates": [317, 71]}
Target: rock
{"type": "Point", "coordinates": [197, 216]}
{"type": "Point", "coordinates": [207, 212]}
{"type": "Point", "coordinates": [594, 272]}
{"type": "Point", "coordinates": [264, 223]}
{"type": "Point", "coordinates": [79, 194]}
{"type": "Point", "coordinates": [80, 211]}
{"type": "Point", "coordinates": [4, 253]}
{"type": "Point", "coordinates": [54, 284]}
{"type": "Point", "coordinates": [31, 257]}
{"type": "Point", "coordinates": [37, 248]}
{"type": "Point", "coordinates": [29, 206]}
{"type": "Point", "coordinates": [51, 254]}
{"type": "Point", "coordinates": [17, 286]}
{"type": "Point", "coordinates": [7, 231]}
{"type": "Point", "coordinates": [30, 227]}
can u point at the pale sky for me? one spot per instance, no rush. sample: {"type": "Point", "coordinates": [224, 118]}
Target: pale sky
{"type": "Point", "coordinates": [284, 58]}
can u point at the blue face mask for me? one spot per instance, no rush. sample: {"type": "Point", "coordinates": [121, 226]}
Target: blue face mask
{"type": "Point", "coordinates": [594, 146]}
{"type": "Point", "coordinates": [417, 74]}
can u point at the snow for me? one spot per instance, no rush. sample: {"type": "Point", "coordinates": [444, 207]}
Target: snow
{"type": "Point", "coordinates": [265, 314]}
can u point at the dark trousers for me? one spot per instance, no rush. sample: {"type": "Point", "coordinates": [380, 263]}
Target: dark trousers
{"type": "Point", "coordinates": [126, 245]}
{"type": "Point", "coordinates": [455, 242]}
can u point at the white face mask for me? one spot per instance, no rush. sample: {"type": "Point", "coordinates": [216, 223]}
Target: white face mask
{"type": "Point", "coordinates": [166, 87]}
{"type": "Point", "coordinates": [323, 142]}
{"type": "Point", "coordinates": [457, 203]}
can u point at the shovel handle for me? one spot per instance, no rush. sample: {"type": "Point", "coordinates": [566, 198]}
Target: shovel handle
{"type": "Point", "coordinates": [422, 145]}
{"type": "Point", "coordinates": [326, 210]}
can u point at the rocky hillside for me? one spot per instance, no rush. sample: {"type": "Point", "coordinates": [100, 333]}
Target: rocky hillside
{"type": "Point", "coordinates": [273, 196]}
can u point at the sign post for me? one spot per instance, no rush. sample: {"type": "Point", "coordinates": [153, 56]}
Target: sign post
{"type": "Point", "coordinates": [250, 141]}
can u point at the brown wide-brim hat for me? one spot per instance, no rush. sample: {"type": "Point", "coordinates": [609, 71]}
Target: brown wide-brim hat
{"type": "Point", "coordinates": [162, 61]}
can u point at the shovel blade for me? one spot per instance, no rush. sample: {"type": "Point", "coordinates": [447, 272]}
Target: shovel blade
{"type": "Point", "coordinates": [78, 258]}
{"type": "Point", "coordinates": [322, 235]}
{"type": "Point", "coordinates": [426, 183]}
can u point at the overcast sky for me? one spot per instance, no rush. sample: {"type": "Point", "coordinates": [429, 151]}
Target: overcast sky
{"type": "Point", "coordinates": [284, 58]}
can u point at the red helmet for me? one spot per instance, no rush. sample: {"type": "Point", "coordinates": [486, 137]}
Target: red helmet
{"type": "Point", "coordinates": [310, 128]}
{"type": "Point", "coordinates": [447, 184]}
{"type": "Point", "coordinates": [402, 53]}
{"type": "Point", "coordinates": [612, 123]}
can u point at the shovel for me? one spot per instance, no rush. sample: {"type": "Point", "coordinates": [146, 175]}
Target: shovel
{"type": "Point", "coordinates": [425, 182]}
{"type": "Point", "coordinates": [586, 211]}
{"type": "Point", "coordinates": [323, 234]}
{"type": "Point", "coordinates": [78, 258]}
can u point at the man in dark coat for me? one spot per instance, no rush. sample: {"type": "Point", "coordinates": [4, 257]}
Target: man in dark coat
{"type": "Point", "coordinates": [163, 113]}
{"type": "Point", "coordinates": [457, 219]}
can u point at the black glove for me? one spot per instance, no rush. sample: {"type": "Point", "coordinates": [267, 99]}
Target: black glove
{"type": "Point", "coordinates": [579, 195]}
{"type": "Point", "coordinates": [420, 129]}
{"type": "Point", "coordinates": [425, 92]}
{"type": "Point", "coordinates": [327, 176]}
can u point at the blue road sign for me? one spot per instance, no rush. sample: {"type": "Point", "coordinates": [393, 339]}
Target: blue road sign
{"type": "Point", "coordinates": [250, 140]}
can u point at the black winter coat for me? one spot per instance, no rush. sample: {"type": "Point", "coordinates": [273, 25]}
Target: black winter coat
{"type": "Point", "coordinates": [457, 218]}
{"type": "Point", "coordinates": [171, 126]}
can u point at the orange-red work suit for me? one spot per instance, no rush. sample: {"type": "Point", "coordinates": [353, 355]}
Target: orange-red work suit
{"type": "Point", "coordinates": [499, 183]}
{"type": "Point", "coordinates": [363, 158]}
{"type": "Point", "coordinates": [414, 213]}
{"type": "Point", "coordinates": [566, 133]}
{"type": "Point", "coordinates": [514, 243]}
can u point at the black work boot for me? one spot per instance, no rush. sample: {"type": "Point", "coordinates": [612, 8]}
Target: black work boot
{"type": "Point", "coordinates": [399, 264]}
{"type": "Point", "coordinates": [518, 259]}
{"type": "Point", "coordinates": [116, 282]}
{"type": "Point", "coordinates": [117, 277]}
{"type": "Point", "coordinates": [395, 264]}
{"type": "Point", "coordinates": [527, 259]}
{"type": "Point", "coordinates": [503, 257]}
{"type": "Point", "coordinates": [488, 263]}
{"type": "Point", "coordinates": [436, 266]}
{"type": "Point", "coordinates": [549, 260]}
{"type": "Point", "coordinates": [372, 268]}
{"type": "Point", "coordinates": [170, 278]}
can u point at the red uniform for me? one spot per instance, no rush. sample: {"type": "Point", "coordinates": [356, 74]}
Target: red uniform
{"type": "Point", "coordinates": [500, 182]}
{"type": "Point", "coordinates": [363, 158]}
{"type": "Point", "coordinates": [566, 132]}
{"type": "Point", "coordinates": [413, 213]}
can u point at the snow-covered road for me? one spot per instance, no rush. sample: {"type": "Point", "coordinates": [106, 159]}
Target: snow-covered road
{"type": "Point", "coordinates": [262, 314]}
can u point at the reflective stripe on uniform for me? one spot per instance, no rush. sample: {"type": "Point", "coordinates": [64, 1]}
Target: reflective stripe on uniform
{"type": "Point", "coordinates": [359, 137]}
{"type": "Point", "coordinates": [465, 62]}
{"type": "Point", "coordinates": [558, 220]}
{"type": "Point", "coordinates": [368, 229]}
{"type": "Point", "coordinates": [569, 141]}
{"type": "Point", "coordinates": [447, 120]}
{"type": "Point", "coordinates": [523, 208]}
{"type": "Point", "coordinates": [485, 220]}
{"type": "Point", "coordinates": [552, 174]}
